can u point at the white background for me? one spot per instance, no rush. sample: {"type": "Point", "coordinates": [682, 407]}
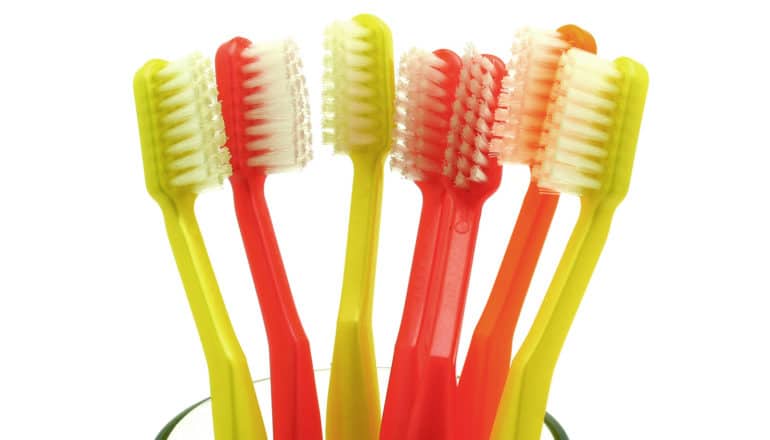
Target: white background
{"type": "Point", "coordinates": [96, 339]}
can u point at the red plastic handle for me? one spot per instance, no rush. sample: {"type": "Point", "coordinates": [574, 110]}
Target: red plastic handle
{"type": "Point", "coordinates": [295, 408]}
{"type": "Point", "coordinates": [434, 412]}
{"type": "Point", "coordinates": [399, 397]}
{"type": "Point", "coordinates": [489, 355]}
{"type": "Point", "coordinates": [294, 399]}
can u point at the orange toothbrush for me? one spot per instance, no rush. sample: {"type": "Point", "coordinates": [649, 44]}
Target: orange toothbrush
{"type": "Point", "coordinates": [518, 127]}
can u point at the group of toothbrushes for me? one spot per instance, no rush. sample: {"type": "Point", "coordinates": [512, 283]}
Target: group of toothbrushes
{"type": "Point", "coordinates": [448, 123]}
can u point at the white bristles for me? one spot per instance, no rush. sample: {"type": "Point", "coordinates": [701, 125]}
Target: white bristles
{"type": "Point", "coordinates": [279, 116]}
{"type": "Point", "coordinates": [579, 124]}
{"type": "Point", "coordinates": [471, 122]}
{"type": "Point", "coordinates": [420, 128]}
{"type": "Point", "coordinates": [191, 127]}
{"type": "Point", "coordinates": [525, 94]}
{"type": "Point", "coordinates": [349, 113]}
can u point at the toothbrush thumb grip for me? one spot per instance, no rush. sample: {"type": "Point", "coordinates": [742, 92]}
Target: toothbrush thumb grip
{"type": "Point", "coordinates": [434, 415]}
{"type": "Point", "coordinates": [295, 409]}
{"type": "Point", "coordinates": [399, 398]}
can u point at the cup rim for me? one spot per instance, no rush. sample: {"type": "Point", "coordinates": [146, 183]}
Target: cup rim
{"type": "Point", "coordinates": [551, 423]}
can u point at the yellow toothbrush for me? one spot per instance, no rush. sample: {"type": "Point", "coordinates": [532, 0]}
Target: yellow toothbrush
{"type": "Point", "coordinates": [358, 120]}
{"type": "Point", "coordinates": [591, 133]}
{"type": "Point", "coordinates": [182, 134]}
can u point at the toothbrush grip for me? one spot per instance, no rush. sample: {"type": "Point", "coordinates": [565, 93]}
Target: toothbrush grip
{"type": "Point", "coordinates": [235, 409]}
{"type": "Point", "coordinates": [525, 394]}
{"type": "Point", "coordinates": [295, 407]}
{"type": "Point", "coordinates": [434, 413]}
{"type": "Point", "coordinates": [486, 365]}
{"type": "Point", "coordinates": [353, 404]}
{"type": "Point", "coordinates": [398, 400]}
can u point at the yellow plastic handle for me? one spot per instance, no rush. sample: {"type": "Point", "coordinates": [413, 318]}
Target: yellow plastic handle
{"type": "Point", "coordinates": [234, 404]}
{"type": "Point", "coordinates": [353, 411]}
{"type": "Point", "coordinates": [522, 405]}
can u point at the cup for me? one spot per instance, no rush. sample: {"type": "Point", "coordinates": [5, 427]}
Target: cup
{"type": "Point", "coordinates": [195, 423]}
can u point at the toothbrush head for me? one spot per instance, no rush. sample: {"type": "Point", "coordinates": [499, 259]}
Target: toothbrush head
{"type": "Point", "coordinates": [358, 91]}
{"type": "Point", "coordinates": [468, 161]}
{"type": "Point", "coordinates": [180, 126]}
{"type": "Point", "coordinates": [426, 88]}
{"type": "Point", "coordinates": [264, 105]}
{"type": "Point", "coordinates": [578, 37]}
{"type": "Point", "coordinates": [527, 89]}
{"type": "Point", "coordinates": [592, 126]}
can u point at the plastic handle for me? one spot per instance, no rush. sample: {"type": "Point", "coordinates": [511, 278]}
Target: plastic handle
{"type": "Point", "coordinates": [489, 355]}
{"type": "Point", "coordinates": [295, 407]}
{"type": "Point", "coordinates": [523, 407]}
{"type": "Point", "coordinates": [399, 398]}
{"type": "Point", "coordinates": [524, 398]}
{"type": "Point", "coordinates": [486, 365]}
{"type": "Point", "coordinates": [434, 413]}
{"type": "Point", "coordinates": [353, 407]}
{"type": "Point", "coordinates": [234, 404]}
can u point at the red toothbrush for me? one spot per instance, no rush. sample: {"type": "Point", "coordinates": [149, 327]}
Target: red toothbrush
{"type": "Point", "coordinates": [427, 84]}
{"type": "Point", "coordinates": [520, 120]}
{"type": "Point", "coordinates": [264, 105]}
{"type": "Point", "coordinates": [472, 175]}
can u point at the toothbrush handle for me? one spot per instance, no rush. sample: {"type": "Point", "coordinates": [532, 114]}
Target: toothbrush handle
{"type": "Point", "coordinates": [402, 381]}
{"type": "Point", "coordinates": [522, 408]}
{"type": "Point", "coordinates": [529, 378]}
{"type": "Point", "coordinates": [234, 403]}
{"type": "Point", "coordinates": [353, 406]}
{"type": "Point", "coordinates": [489, 355]}
{"type": "Point", "coordinates": [295, 407]}
{"type": "Point", "coordinates": [434, 413]}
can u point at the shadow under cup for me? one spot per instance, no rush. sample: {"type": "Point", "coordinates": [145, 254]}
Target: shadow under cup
{"type": "Point", "coordinates": [194, 423]}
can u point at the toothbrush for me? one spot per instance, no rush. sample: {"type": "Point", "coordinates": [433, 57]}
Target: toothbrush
{"type": "Point", "coordinates": [427, 83]}
{"type": "Point", "coordinates": [519, 122]}
{"type": "Point", "coordinates": [265, 109]}
{"type": "Point", "coordinates": [472, 175]}
{"type": "Point", "coordinates": [590, 138]}
{"type": "Point", "coordinates": [358, 119]}
{"type": "Point", "coordinates": [181, 132]}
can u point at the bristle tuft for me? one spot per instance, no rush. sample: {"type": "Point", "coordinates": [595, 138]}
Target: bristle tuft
{"type": "Point", "coordinates": [351, 117]}
{"type": "Point", "coordinates": [421, 122]}
{"type": "Point", "coordinates": [525, 94]}
{"type": "Point", "coordinates": [278, 115]}
{"type": "Point", "coordinates": [190, 124]}
{"type": "Point", "coordinates": [579, 124]}
{"type": "Point", "coordinates": [470, 134]}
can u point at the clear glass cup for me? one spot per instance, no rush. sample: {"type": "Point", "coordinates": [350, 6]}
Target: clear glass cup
{"type": "Point", "coordinates": [195, 422]}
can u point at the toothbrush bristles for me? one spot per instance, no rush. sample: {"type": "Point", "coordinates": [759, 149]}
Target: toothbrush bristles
{"type": "Point", "coordinates": [277, 119]}
{"type": "Point", "coordinates": [350, 117]}
{"type": "Point", "coordinates": [471, 122]}
{"type": "Point", "coordinates": [525, 94]}
{"type": "Point", "coordinates": [579, 124]}
{"type": "Point", "coordinates": [421, 124]}
{"type": "Point", "coordinates": [191, 127]}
